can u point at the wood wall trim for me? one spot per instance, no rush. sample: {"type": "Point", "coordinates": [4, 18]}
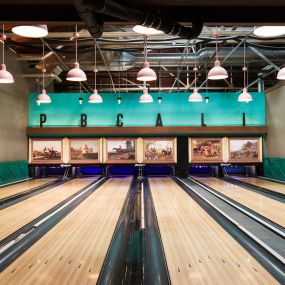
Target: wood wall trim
{"type": "Point", "coordinates": [114, 131]}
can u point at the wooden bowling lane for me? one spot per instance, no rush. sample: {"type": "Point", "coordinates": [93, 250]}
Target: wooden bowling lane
{"type": "Point", "coordinates": [23, 186]}
{"type": "Point", "coordinates": [73, 251]}
{"type": "Point", "coordinates": [270, 185]}
{"type": "Point", "coordinates": [20, 214]}
{"type": "Point", "coordinates": [267, 207]}
{"type": "Point", "coordinates": [197, 249]}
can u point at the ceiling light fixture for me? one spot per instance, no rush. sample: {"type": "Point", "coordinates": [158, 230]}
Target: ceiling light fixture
{"type": "Point", "coordinates": [95, 97]}
{"type": "Point", "coordinates": [31, 31]}
{"type": "Point", "coordinates": [217, 72]}
{"type": "Point", "coordinates": [145, 97]}
{"type": "Point", "coordinates": [5, 76]}
{"type": "Point", "coordinates": [281, 74]}
{"type": "Point", "coordinates": [146, 31]}
{"type": "Point", "coordinates": [269, 31]}
{"type": "Point", "coordinates": [43, 98]}
{"type": "Point", "coordinates": [146, 73]}
{"type": "Point", "coordinates": [195, 96]}
{"type": "Point", "coordinates": [76, 74]}
{"type": "Point", "coordinates": [244, 96]}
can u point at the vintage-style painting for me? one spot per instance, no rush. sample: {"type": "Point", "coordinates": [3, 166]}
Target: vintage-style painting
{"type": "Point", "coordinates": [206, 150]}
{"type": "Point", "coordinates": [244, 149]}
{"type": "Point", "coordinates": [84, 150]}
{"type": "Point", "coordinates": [122, 150]}
{"type": "Point", "coordinates": [159, 150]}
{"type": "Point", "coordinates": [46, 150]}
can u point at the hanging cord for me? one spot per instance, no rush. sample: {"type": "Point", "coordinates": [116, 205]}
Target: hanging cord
{"type": "Point", "coordinates": [43, 69]}
{"type": "Point", "coordinates": [95, 66]}
{"type": "Point", "coordinates": [245, 80]}
{"type": "Point", "coordinates": [195, 69]}
{"type": "Point", "coordinates": [145, 48]}
{"type": "Point", "coordinates": [3, 38]}
{"type": "Point", "coordinates": [76, 36]}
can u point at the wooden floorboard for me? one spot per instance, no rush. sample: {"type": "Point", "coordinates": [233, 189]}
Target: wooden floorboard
{"type": "Point", "coordinates": [198, 250]}
{"type": "Point", "coordinates": [267, 207]}
{"type": "Point", "coordinates": [20, 214]}
{"type": "Point", "coordinates": [73, 252]}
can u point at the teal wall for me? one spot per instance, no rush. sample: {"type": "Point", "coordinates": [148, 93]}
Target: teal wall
{"type": "Point", "coordinates": [274, 168]}
{"type": "Point", "coordinates": [222, 110]}
{"type": "Point", "coordinates": [13, 170]}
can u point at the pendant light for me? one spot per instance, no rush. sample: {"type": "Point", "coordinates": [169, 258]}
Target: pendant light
{"type": "Point", "coordinates": [269, 31]}
{"type": "Point", "coordinates": [5, 76]}
{"type": "Point", "coordinates": [76, 74]}
{"type": "Point", "coordinates": [244, 96]}
{"type": "Point", "coordinates": [217, 72]}
{"type": "Point", "coordinates": [146, 31]}
{"type": "Point", "coordinates": [195, 96]}
{"type": "Point", "coordinates": [281, 74]}
{"type": "Point", "coordinates": [146, 73]}
{"type": "Point", "coordinates": [95, 98]}
{"type": "Point", "coordinates": [43, 98]}
{"type": "Point", "coordinates": [145, 97]}
{"type": "Point", "coordinates": [31, 31]}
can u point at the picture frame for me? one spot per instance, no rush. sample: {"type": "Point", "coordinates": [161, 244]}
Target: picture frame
{"type": "Point", "coordinates": [159, 150]}
{"type": "Point", "coordinates": [206, 149]}
{"type": "Point", "coordinates": [121, 150]}
{"type": "Point", "coordinates": [244, 149]}
{"type": "Point", "coordinates": [85, 150]}
{"type": "Point", "coordinates": [46, 150]}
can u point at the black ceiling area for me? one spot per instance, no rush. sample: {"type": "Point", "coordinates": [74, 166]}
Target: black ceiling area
{"type": "Point", "coordinates": [189, 28]}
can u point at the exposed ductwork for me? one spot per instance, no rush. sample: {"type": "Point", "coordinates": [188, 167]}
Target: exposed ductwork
{"type": "Point", "coordinates": [91, 13]}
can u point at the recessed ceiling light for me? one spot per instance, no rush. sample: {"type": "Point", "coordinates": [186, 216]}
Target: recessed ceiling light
{"type": "Point", "coordinates": [31, 31]}
{"type": "Point", "coordinates": [146, 31]}
{"type": "Point", "coordinates": [269, 31]}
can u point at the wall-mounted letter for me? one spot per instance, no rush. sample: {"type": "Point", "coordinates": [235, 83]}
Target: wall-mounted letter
{"type": "Point", "coordinates": [43, 119]}
{"type": "Point", "coordinates": [203, 120]}
{"type": "Point", "coordinates": [158, 121]}
{"type": "Point", "coordinates": [119, 120]}
{"type": "Point", "coordinates": [83, 121]}
{"type": "Point", "coordinates": [243, 119]}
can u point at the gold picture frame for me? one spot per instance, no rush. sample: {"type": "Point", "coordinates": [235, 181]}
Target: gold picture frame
{"type": "Point", "coordinates": [119, 150]}
{"type": "Point", "coordinates": [81, 150]}
{"type": "Point", "coordinates": [206, 150]}
{"type": "Point", "coordinates": [46, 151]}
{"type": "Point", "coordinates": [245, 149]}
{"type": "Point", "coordinates": [159, 150]}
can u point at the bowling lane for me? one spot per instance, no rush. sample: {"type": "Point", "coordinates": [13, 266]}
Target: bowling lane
{"type": "Point", "coordinates": [270, 185]}
{"type": "Point", "coordinates": [197, 249]}
{"type": "Point", "coordinates": [19, 214]}
{"type": "Point", "coordinates": [74, 250]}
{"type": "Point", "coordinates": [267, 207]}
{"type": "Point", "coordinates": [23, 186]}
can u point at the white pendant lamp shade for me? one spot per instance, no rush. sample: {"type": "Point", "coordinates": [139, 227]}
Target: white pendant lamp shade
{"type": "Point", "coordinates": [244, 96]}
{"type": "Point", "coordinates": [76, 74]}
{"type": "Point", "coordinates": [269, 31]}
{"type": "Point", "coordinates": [31, 31]}
{"type": "Point", "coordinates": [5, 76]}
{"type": "Point", "coordinates": [95, 98]}
{"type": "Point", "coordinates": [195, 96]}
{"type": "Point", "coordinates": [281, 74]}
{"type": "Point", "coordinates": [146, 31]}
{"type": "Point", "coordinates": [43, 98]}
{"type": "Point", "coordinates": [146, 74]}
{"type": "Point", "coordinates": [145, 97]}
{"type": "Point", "coordinates": [217, 72]}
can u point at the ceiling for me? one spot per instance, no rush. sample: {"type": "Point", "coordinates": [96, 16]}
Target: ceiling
{"type": "Point", "coordinates": [120, 54]}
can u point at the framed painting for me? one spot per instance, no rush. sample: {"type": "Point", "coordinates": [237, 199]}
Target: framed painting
{"type": "Point", "coordinates": [244, 150]}
{"type": "Point", "coordinates": [85, 150]}
{"type": "Point", "coordinates": [159, 150]}
{"type": "Point", "coordinates": [46, 151]}
{"type": "Point", "coordinates": [120, 150]}
{"type": "Point", "coordinates": [206, 150]}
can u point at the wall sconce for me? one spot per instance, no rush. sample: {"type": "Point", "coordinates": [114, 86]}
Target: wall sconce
{"type": "Point", "coordinates": [80, 100]}
{"type": "Point", "coordinates": [159, 99]}
{"type": "Point", "coordinates": [207, 99]}
{"type": "Point", "coordinates": [119, 100]}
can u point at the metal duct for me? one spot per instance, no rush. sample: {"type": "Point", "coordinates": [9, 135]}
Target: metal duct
{"type": "Point", "coordinates": [91, 13]}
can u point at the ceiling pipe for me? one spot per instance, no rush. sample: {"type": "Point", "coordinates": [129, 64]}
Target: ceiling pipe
{"type": "Point", "coordinates": [91, 13]}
